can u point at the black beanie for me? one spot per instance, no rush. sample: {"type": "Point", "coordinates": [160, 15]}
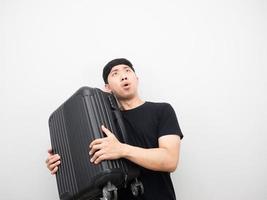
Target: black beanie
{"type": "Point", "coordinates": [112, 63]}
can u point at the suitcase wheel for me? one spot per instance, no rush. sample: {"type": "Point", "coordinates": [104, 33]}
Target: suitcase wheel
{"type": "Point", "coordinates": [110, 192]}
{"type": "Point", "coordinates": [137, 188]}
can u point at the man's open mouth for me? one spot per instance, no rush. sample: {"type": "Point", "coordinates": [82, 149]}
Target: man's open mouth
{"type": "Point", "coordinates": [125, 85]}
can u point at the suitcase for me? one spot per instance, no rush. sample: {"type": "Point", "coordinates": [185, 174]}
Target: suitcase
{"type": "Point", "coordinates": [73, 126]}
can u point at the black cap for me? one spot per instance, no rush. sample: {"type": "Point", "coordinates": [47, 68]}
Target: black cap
{"type": "Point", "coordinates": [112, 63]}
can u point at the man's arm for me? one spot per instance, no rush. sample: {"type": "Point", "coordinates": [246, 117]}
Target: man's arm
{"type": "Point", "coordinates": [165, 158]}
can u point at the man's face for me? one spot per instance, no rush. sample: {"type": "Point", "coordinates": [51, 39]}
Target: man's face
{"type": "Point", "coordinates": [123, 82]}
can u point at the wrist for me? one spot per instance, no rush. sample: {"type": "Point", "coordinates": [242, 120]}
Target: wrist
{"type": "Point", "coordinates": [124, 150]}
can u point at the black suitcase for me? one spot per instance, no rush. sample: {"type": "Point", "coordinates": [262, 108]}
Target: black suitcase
{"type": "Point", "coordinates": [75, 124]}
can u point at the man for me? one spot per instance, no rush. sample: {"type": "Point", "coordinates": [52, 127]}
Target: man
{"type": "Point", "coordinates": [153, 132]}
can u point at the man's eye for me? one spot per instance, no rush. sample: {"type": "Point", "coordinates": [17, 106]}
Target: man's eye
{"type": "Point", "coordinates": [114, 74]}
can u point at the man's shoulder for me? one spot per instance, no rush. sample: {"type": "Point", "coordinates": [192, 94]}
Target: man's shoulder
{"type": "Point", "coordinates": [159, 105]}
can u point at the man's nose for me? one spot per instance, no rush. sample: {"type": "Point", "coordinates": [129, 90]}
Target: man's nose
{"type": "Point", "coordinates": [123, 77]}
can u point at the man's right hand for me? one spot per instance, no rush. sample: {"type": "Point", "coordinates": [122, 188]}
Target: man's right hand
{"type": "Point", "coordinates": [52, 162]}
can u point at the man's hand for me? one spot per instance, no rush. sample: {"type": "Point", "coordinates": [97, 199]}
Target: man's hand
{"type": "Point", "coordinates": [107, 148]}
{"type": "Point", "coordinates": [52, 162]}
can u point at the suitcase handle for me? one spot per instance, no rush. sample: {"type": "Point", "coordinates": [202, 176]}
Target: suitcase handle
{"type": "Point", "coordinates": [118, 117]}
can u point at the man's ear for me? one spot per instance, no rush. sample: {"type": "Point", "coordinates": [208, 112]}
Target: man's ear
{"type": "Point", "coordinates": [107, 88]}
{"type": "Point", "coordinates": [137, 78]}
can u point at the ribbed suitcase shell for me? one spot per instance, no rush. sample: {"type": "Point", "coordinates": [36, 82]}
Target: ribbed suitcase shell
{"type": "Point", "coordinates": [75, 124]}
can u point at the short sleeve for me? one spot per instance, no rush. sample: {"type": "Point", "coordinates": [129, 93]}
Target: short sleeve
{"type": "Point", "coordinates": [168, 123]}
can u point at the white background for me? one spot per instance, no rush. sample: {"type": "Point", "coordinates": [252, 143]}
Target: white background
{"type": "Point", "coordinates": [207, 58]}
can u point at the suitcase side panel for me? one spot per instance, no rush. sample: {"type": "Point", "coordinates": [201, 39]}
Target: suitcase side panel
{"type": "Point", "coordinates": [100, 113]}
{"type": "Point", "coordinates": [114, 122]}
{"type": "Point", "coordinates": [65, 176]}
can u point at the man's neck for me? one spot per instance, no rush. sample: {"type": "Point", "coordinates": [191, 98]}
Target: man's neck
{"type": "Point", "coordinates": [131, 103]}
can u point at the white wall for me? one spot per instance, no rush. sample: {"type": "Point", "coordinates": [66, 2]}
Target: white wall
{"type": "Point", "coordinates": [207, 58]}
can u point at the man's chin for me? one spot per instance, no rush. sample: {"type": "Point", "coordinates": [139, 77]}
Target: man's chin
{"type": "Point", "coordinates": [125, 97]}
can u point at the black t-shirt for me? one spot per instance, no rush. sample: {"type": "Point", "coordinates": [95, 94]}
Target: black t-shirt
{"type": "Point", "coordinates": [144, 125]}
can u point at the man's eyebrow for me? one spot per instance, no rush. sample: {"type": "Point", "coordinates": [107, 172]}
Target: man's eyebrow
{"type": "Point", "coordinates": [126, 67]}
{"type": "Point", "coordinates": [113, 70]}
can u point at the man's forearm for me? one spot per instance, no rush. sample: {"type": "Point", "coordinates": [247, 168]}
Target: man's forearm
{"type": "Point", "coordinates": [157, 159]}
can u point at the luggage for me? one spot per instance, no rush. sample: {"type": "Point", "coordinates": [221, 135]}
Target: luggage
{"type": "Point", "coordinates": [73, 126]}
